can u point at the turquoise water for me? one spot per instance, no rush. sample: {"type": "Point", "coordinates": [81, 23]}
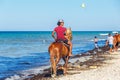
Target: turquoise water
{"type": "Point", "coordinates": [25, 50]}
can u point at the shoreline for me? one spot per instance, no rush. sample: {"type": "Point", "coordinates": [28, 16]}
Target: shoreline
{"type": "Point", "coordinates": [21, 75]}
{"type": "Point", "coordinates": [80, 62]}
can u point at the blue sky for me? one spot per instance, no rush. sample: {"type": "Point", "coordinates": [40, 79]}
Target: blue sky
{"type": "Point", "coordinates": [42, 15]}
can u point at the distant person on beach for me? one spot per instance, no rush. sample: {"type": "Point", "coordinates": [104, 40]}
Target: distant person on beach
{"type": "Point", "coordinates": [96, 42]}
{"type": "Point", "coordinates": [60, 35]}
{"type": "Point", "coordinates": [110, 41]}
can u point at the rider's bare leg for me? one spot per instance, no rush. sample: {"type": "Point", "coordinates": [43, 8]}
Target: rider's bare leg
{"type": "Point", "coordinates": [70, 51]}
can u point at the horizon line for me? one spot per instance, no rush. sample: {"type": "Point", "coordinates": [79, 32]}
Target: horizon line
{"type": "Point", "coordinates": [45, 30]}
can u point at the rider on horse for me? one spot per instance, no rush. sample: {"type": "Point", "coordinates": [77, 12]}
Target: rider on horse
{"type": "Point", "coordinates": [60, 31]}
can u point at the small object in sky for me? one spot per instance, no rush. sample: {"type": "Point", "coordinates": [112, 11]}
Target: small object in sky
{"type": "Point", "coordinates": [83, 5]}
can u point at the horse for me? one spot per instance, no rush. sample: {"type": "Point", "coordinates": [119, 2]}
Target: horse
{"type": "Point", "coordinates": [58, 50]}
{"type": "Point", "coordinates": [116, 41]}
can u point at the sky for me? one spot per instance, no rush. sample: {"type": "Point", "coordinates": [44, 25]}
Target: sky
{"type": "Point", "coordinates": [42, 15]}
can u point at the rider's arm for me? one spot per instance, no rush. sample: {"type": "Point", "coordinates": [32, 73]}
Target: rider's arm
{"type": "Point", "coordinates": [53, 35]}
{"type": "Point", "coordinates": [65, 35]}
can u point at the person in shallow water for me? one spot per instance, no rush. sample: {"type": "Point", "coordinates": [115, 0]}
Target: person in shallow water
{"type": "Point", "coordinates": [61, 35]}
{"type": "Point", "coordinates": [96, 42]}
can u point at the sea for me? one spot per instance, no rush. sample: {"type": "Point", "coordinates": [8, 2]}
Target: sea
{"type": "Point", "coordinates": [21, 52]}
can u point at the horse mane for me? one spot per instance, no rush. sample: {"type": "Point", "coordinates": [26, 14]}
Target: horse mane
{"type": "Point", "coordinates": [68, 34]}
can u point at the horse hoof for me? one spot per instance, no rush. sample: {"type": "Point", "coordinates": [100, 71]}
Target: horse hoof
{"type": "Point", "coordinates": [53, 75]}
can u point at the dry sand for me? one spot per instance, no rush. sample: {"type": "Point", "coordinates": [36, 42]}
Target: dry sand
{"type": "Point", "coordinates": [109, 71]}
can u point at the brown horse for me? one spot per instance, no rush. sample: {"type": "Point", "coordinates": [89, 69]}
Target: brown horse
{"type": "Point", "coordinates": [116, 41]}
{"type": "Point", "coordinates": [57, 51]}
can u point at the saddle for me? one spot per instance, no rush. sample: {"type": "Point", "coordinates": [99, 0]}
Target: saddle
{"type": "Point", "coordinates": [65, 42]}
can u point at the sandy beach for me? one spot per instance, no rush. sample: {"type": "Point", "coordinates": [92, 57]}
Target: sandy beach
{"type": "Point", "coordinates": [38, 36]}
{"type": "Point", "coordinates": [109, 71]}
{"type": "Point", "coordinates": [103, 66]}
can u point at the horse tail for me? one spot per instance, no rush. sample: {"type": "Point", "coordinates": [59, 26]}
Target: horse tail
{"type": "Point", "coordinates": [51, 46]}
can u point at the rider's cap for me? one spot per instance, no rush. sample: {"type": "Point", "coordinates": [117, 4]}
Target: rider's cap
{"type": "Point", "coordinates": [61, 20]}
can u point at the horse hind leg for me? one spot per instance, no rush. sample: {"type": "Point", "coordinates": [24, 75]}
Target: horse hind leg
{"type": "Point", "coordinates": [65, 65]}
{"type": "Point", "coordinates": [53, 67]}
{"type": "Point", "coordinates": [57, 59]}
